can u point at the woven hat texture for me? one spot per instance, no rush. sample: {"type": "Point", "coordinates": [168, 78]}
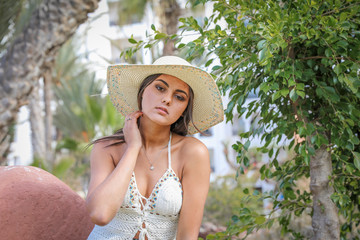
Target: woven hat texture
{"type": "Point", "coordinates": [123, 83]}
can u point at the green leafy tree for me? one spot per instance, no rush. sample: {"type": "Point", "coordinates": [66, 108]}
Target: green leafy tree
{"type": "Point", "coordinates": [302, 58]}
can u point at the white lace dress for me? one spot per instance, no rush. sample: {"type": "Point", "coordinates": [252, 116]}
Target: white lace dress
{"type": "Point", "coordinates": [155, 217]}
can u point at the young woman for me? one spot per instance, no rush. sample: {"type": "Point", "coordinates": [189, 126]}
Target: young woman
{"type": "Point", "coordinates": [148, 180]}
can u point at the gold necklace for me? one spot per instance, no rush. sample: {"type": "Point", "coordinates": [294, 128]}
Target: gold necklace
{"type": "Point", "coordinates": [151, 165]}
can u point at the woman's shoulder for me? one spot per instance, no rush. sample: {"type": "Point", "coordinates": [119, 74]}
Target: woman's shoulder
{"type": "Point", "coordinates": [193, 143]}
{"type": "Point", "coordinates": [111, 148]}
{"type": "Point", "coordinates": [193, 148]}
{"type": "Point", "coordinates": [194, 157]}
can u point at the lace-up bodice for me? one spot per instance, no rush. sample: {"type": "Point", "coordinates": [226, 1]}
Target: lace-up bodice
{"type": "Point", "coordinates": [155, 217]}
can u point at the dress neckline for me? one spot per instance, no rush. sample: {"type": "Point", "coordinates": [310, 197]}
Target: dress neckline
{"type": "Point", "coordinates": [169, 169]}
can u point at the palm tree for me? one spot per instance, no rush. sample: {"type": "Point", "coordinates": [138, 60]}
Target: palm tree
{"type": "Point", "coordinates": [81, 115]}
{"type": "Point", "coordinates": [37, 123]}
{"type": "Point", "coordinates": [23, 62]}
{"type": "Point", "coordinates": [81, 112]}
{"type": "Point", "coordinates": [47, 79]}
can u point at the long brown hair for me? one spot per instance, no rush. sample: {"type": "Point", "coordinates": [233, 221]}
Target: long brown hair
{"type": "Point", "coordinates": [179, 127]}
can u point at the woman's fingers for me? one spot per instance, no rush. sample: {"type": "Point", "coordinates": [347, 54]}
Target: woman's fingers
{"type": "Point", "coordinates": [131, 130]}
{"type": "Point", "coordinates": [133, 116]}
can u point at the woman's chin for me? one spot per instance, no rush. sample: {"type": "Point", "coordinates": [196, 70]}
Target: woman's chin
{"type": "Point", "coordinates": [159, 120]}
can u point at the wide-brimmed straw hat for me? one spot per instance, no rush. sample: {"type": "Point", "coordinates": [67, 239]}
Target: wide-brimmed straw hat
{"type": "Point", "coordinates": [123, 83]}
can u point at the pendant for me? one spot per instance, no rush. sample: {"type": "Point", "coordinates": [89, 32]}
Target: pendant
{"type": "Point", "coordinates": [152, 168]}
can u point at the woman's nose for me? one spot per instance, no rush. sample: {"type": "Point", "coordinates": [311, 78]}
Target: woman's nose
{"type": "Point", "coordinates": [166, 99]}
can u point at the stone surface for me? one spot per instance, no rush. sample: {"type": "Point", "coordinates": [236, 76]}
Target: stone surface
{"type": "Point", "coordinates": [34, 204]}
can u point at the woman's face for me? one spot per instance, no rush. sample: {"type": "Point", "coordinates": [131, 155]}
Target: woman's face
{"type": "Point", "coordinates": [165, 99]}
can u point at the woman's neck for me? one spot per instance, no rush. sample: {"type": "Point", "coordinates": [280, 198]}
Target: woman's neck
{"type": "Point", "coordinates": [153, 135]}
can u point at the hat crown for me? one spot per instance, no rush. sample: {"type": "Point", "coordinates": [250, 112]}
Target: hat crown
{"type": "Point", "coordinates": [171, 60]}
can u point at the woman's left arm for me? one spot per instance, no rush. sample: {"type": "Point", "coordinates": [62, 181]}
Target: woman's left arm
{"type": "Point", "coordinates": [195, 182]}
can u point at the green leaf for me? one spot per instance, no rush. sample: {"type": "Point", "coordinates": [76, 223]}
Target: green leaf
{"type": "Point", "coordinates": [277, 72]}
{"type": "Point", "coordinates": [300, 93]}
{"type": "Point", "coordinates": [337, 69]}
{"type": "Point", "coordinates": [262, 54]}
{"type": "Point", "coordinates": [181, 45]}
{"type": "Point", "coordinates": [160, 36]}
{"type": "Point", "coordinates": [260, 220]}
{"type": "Point", "coordinates": [343, 16]}
{"type": "Point", "coordinates": [284, 92]}
{"type": "Point", "coordinates": [293, 95]}
{"type": "Point", "coordinates": [275, 96]}
{"type": "Point", "coordinates": [209, 62]}
{"type": "Point", "coordinates": [264, 87]}
{"type": "Point", "coordinates": [210, 236]}
{"type": "Point", "coordinates": [330, 92]}
{"type": "Point", "coordinates": [247, 144]}
{"type": "Point", "coordinates": [307, 160]}
{"type": "Point", "coordinates": [349, 168]}
{"type": "Point", "coordinates": [319, 92]}
{"type": "Point", "coordinates": [342, 43]}
{"type": "Point", "coordinates": [131, 40]}
{"type": "Point", "coordinates": [216, 67]}
{"type": "Point", "coordinates": [313, 139]}
{"type": "Point", "coordinates": [328, 52]}
{"type": "Point", "coordinates": [261, 44]}
{"type": "Point", "coordinates": [357, 160]}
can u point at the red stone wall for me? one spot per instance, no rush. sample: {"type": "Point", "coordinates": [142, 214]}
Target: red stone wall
{"type": "Point", "coordinates": [35, 205]}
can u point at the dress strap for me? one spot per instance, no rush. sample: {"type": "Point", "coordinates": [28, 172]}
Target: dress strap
{"type": "Point", "coordinates": [169, 152]}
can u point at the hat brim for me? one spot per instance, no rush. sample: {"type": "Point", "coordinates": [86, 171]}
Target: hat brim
{"type": "Point", "coordinates": [123, 83]}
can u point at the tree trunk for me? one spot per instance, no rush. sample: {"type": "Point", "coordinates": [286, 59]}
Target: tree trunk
{"type": "Point", "coordinates": [37, 124]}
{"type": "Point", "coordinates": [325, 220]}
{"type": "Point", "coordinates": [169, 16]}
{"type": "Point", "coordinates": [48, 117]}
{"type": "Point", "coordinates": [23, 64]}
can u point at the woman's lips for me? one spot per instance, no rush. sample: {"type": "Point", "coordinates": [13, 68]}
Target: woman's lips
{"type": "Point", "coordinates": [163, 110]}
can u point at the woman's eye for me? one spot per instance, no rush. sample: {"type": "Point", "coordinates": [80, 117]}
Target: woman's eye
{"type": "Point", "coordinates": [180, 98]}
{"type": "Point", "coordinates": [159, 88]}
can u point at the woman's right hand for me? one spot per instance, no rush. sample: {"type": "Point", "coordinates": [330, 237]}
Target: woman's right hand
{"type": "Point", "coordinates": [131, 130]}
{"type": "Point", "coordinates": [109, 182]}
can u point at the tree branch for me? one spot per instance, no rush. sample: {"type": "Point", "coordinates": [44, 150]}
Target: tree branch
{"type": "Point", "coordinates": [335, 10]}
{"type": "Point", "coordinates": [337, 58]}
